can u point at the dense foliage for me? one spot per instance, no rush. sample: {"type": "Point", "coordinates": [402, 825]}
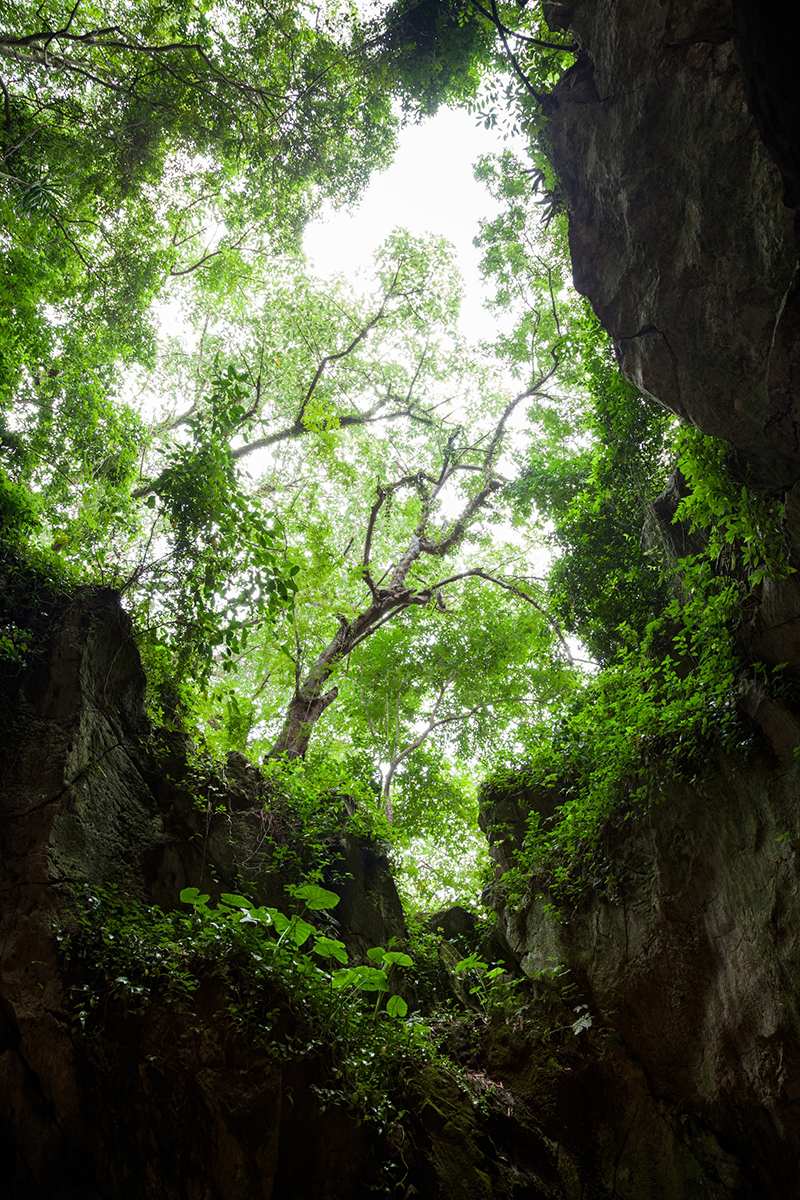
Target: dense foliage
{"type": "Point", "coordinates": [369, 555]}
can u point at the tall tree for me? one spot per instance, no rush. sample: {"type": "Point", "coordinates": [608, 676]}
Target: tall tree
{"type": "Point", "coordinates": [396, 586]}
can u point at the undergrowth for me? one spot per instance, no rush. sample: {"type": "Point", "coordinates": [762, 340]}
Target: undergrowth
{"type": "Point", "coordinates": [287, 984]}
{"type": "Point", "coordinates": [666, 701]}
{"type": "Point", "coordinates": [284, 985]}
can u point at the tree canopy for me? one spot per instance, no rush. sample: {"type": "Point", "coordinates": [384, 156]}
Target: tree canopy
{"type": "Point", "coordinates": [347, 537]}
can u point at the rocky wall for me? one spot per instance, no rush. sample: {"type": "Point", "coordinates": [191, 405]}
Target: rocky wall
{"type": "Point", "coordinates": [679, 227]}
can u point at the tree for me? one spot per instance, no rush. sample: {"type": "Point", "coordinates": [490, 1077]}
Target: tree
{"type": "Point", "coordinates": [303, 502]}
{"type": "Point", "coordinates": [104, 102]}
{"type": "Point", "coordinates": [305, 399]}
{"type": "Point", "coordinates": [313, 358]}
{"type": "Point", "coordinates": [400, 584]}
{"type": "Point", "coordinates": [143, 146]}
{"type": "Point", "coordinates": [441, 51]}
{"type": "Point", "coordinates": [449, 685]}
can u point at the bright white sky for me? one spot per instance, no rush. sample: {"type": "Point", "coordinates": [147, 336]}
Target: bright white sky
{"type": "Point", "coordinates": [429, 188]}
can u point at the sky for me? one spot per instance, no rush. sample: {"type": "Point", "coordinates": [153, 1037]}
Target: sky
{"type": "Point", "coordinates": [429, 188]}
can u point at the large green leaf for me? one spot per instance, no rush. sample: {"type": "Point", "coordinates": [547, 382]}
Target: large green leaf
{"type": "Point", "coordinates": [315, 897]}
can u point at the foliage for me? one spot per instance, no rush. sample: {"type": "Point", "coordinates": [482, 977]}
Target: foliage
{"type": "Point", "coordinates": [595, 491]}
{"type": "Point", "coordinates": [157, 169]}
{"type": "Point", "coordinates": [312, 803]}
{"type": "Point", "coordinates": [651, 716]}
{"type": "Point", "coordinates": [601, 451]}
{"type": "Point", "coordinates": [128, 127]}
{"type": "Point", "coordinates": [313, 540]}
{"type": "Point", "coordinates": [34, 587]}
{"type": "Point", "coordinates": [667, 695]}
{"type": "Point", "coordinates": [226, 570]}
{"type": "Point", "coordinates": [284, 981]}
{"type": "Point", "coordinates": [149, 152]}
{"type": "Point", "coordinates": [492, 987]}
{"type": "Point", "coordinates": [435, 52]}
{"type": "Point", "coordinates": [743, 530]}
{"type": "Point", "coordinates": [657, 607]}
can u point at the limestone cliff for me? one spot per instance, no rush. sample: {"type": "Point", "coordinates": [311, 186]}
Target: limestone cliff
{"type": "Point", "coordinates": [680, 233]}
{"type": "Point", "coordinates": [691, 967]}
{"type": "Point", "coordinates": [93, 795]}
{"type": "Point", "coordinates": [674, 140]}
{"type": "Point", "coordinates": [123, 1088]}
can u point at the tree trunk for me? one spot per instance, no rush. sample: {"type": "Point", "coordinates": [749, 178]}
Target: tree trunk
{"type": "Point", "coordinates": [386, 796]}
{"type": "Point", "coordinates": [298, 724]}
{"type": "Point", "coordinates": [309, 701]}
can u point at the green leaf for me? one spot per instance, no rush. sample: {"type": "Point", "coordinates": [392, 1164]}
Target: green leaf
{"type": "Point", "coordinates": [396, 1006]}
{"type": "Point", "coordinates": [396, 958]}
{"type": "Point", "coordinates": [233, 900]}
{"type": "Point", "coordinates": [300, 931]}
{"type": "Point", "coordinates": [327, 947]}
{"type": "Point", "coordinates": [262, 915]}
{"type": "Point", "coordinates": [314, 897]}
{"type": "Point", "coordinates": [371, 979]}
{"type": "Point", "coordinates": [376, 955]}
{"type": "Point", "coordinates": [279, 920]}
{"type": "Point", "coordinates": [470, 963]}
{"type": "Point", "coordinates": [363, 979]}
{"type": "Point", "coordinates": [193, 896]}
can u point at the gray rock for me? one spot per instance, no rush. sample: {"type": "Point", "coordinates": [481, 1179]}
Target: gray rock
{"type": "Point", "coordinates": [678, 229]}
{"type": "Point", "coordinates": [693, 968]}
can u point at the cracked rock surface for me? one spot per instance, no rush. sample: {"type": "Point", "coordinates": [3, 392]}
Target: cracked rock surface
{"type": "Point", "coordinates": [692, 966]}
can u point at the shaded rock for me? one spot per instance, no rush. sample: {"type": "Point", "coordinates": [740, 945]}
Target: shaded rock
{"type": "Point", "coordinates": [661, 531]}
{"type": "Point", "coordinates": [369, 910]}
{"type": "Point", "coordinates": [773, 634]}
{"type": "Point", "coordinates": [453, 923]}
{"type": "Point", "coordinates": [769, 64]}
{"type": "Point", "coordinates": [678, 229]}
{"type": "Point", "coordinates": [90, 794]}
{"type": "Point", "coordinates": [695, 970]}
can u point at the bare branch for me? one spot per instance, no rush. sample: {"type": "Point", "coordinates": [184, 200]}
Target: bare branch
{"type": "Point", "coordinates": [540, 97]}
{"type": "Point", "coordinates": [340, 354]}
{"type": "Point", "coordinates": [365, 558]}
{"type": "Point", "coordinates": [491, 482]}
{"type": "Point", "coordinates": [309, 701]}
{"type": "Point", "coordinates": [221, 248]}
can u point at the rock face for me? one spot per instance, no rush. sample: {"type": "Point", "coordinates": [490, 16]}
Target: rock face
{"type": "Point", "coordinates": [89, 796]}
{"type": "Point", "coordinates": [173, 1098]}
{"type": "Point", "coordinates": [693, 970]}
{"type": "Point", "coordinates": [674, 139]}
{"type": "Point", "coordinates": [679, 232]}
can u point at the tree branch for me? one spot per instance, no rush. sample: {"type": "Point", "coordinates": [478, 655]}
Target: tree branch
{"type": "Point", "coordinates": [479, 573]}
{"type": "Point", "coordinates": [540, 97]}
{"type": "Point", "coordinates": [494, 17]}
{"type": "Point", "coordinates": [340, 354]}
